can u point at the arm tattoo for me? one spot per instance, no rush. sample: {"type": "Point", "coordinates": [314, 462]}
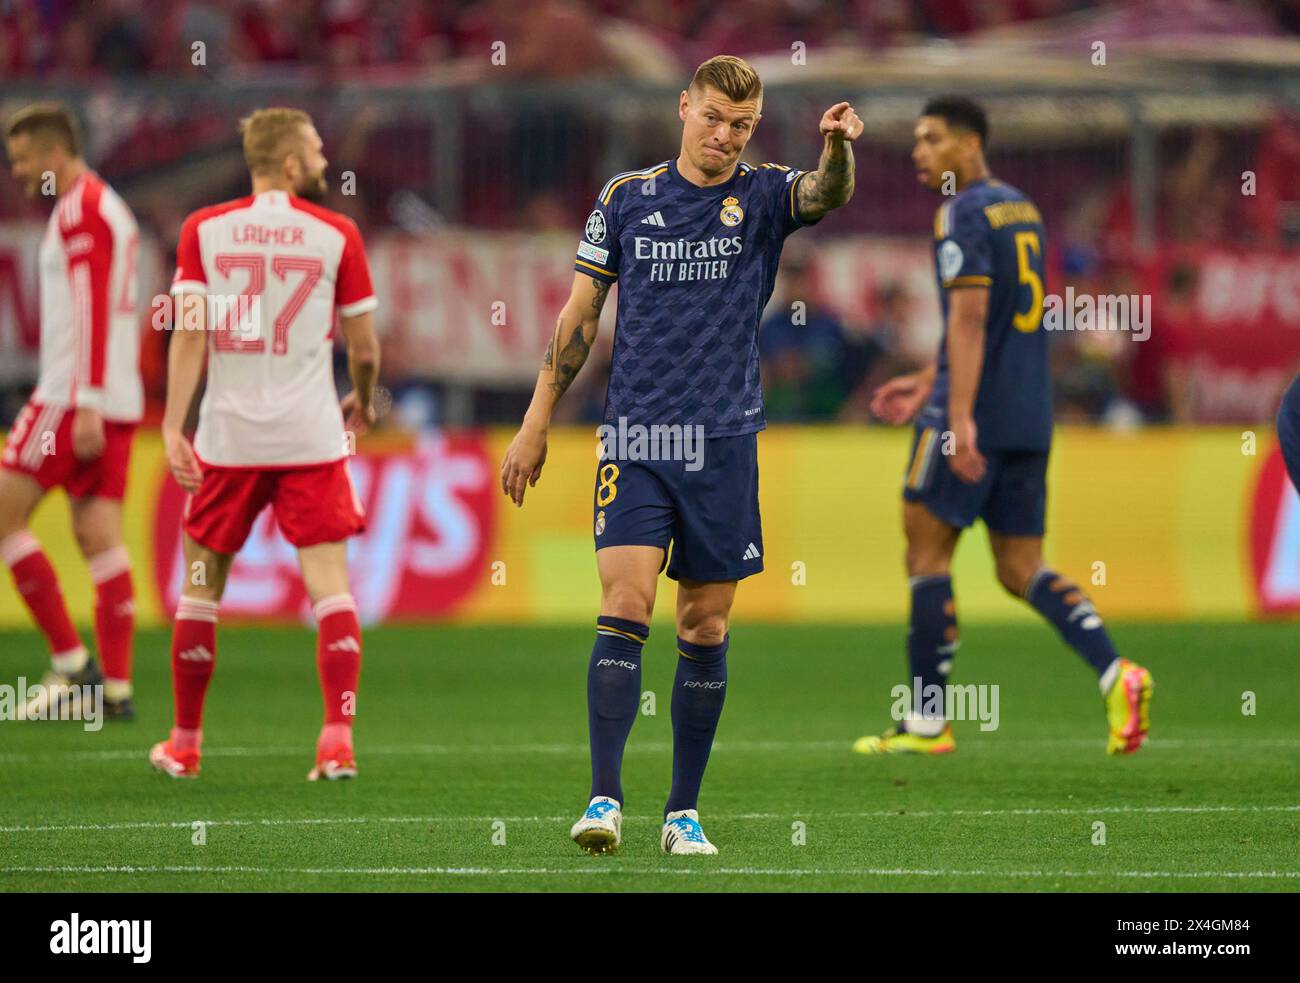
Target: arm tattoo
{"type": "Point", "coordinates": [602, 291]}
{"type": "Point", "coordinates": [809, 195]}
{"type": "Point", "coordinates": [831, 185]}
{"type": "Point", "coordinates": [571, 359]}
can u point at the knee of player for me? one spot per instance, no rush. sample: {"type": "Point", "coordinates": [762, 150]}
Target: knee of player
{"type": "Point", "coordinates": [207, 594]}
{"type": "Point", "coordinates": [1015, 577]}
{"type": "Point", "coordinates": [925, 562]}
{"type": "Point", "coordinates": [91, 540]}
{"type": "Point", "coordinates": [13, 517]}
{"type": "Point", "coordinates": [205, 575]}
{"type": "Point", "coordinates": [11, 525]}
{"type": "Point", "coordinates": [702, 628]}
{"type": "Point", "coordinates": [629, 603]}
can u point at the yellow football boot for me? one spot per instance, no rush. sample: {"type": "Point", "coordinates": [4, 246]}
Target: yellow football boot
{"type": "Point", "coordinates": [1128, 708]}
{"type": "Point", "coordinates": [893, 741]}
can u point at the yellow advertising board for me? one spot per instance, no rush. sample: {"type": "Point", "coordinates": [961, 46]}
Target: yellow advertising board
{"type": "Point", "coordinates": [1157, 524]}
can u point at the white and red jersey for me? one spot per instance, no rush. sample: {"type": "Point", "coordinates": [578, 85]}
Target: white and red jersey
{"type": "Point", "coordinates": [274, 268]}
{"type": "Point", "coordinates": [90, 340]}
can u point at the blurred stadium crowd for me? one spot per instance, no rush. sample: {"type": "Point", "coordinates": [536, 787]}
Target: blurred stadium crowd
{"type": "Point", "coordinates": [86, 38]}
{"type": "Point", "coordinates": [394, 83]}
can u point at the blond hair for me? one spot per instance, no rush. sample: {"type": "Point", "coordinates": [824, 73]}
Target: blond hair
{"type": "Point", "coordinates": [271, 135]}
{"type": "Point", "coordinates": [52, 120]}
{"type": "Point", "coordinates": [731, 76]}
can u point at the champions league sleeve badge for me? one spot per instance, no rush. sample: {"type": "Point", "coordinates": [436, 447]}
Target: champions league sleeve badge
{"type": "Point", "coordinates": [596, 227]}
{"type": "Point", "coordinates": [950, 260]}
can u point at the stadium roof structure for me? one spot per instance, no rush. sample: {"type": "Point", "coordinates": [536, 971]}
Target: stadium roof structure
{"type": "Point", "coordinates": [1060, 106]}
{"type": "Point", "coordinates": [1196, 64]}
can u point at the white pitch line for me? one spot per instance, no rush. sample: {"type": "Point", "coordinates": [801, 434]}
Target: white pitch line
{"type": "Point", "coordinates": [978, 746]}
{"type": "Point", "coordinates": [929, 813]}
{"type": "Point", "coordinates": [117, 754]}
{"type": "Point", "coordinates": [746, 816]}
{"type": "Point", "coordinates": [686, 871]}
{"type": "Point", "coordinates": [658, 747]}
{"type": "Point", "coordinates": [318, 821]}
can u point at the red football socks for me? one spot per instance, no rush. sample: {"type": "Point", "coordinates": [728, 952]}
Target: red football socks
{"type": "Point", "coordinates": [194, 654]}
{"type": "Point", "coordinates": [39, 586]}
{"type": "Point", "coordinates": [338, 657]}
{"type": "Point", "coordinates": [114, 616]}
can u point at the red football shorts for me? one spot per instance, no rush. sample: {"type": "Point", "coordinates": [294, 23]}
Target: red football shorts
{"type": "Point", "coordinates": [40, 445]}
{"type": "Point", "coordinates": [312, 505]}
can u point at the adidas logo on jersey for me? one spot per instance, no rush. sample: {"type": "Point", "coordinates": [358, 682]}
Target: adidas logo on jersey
{"type": "Point", "coordinates": [751, 553]}
{"type": "Point", "coordinates": [349, 644]}
{"type": "Point", "coordinates": [654, 218]}
{"type": "Point", "coordinates": [197, 654]}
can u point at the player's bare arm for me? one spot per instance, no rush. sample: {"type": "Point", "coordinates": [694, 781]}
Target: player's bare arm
{"type": "Point", "coordinates": [88, 420]}
{"type": "Point", "coordinates": [831, 185]}
{"type": "Point", "coordinates": [363, 368]}
{"type": "Point", "coordinates": [185, 359]}
{"type": "Point", "coordinates": [566, 353]}
{"type": "Point", "coordinates": [565, 358]}
{"type": "Point", "coordinates": [967, 312]}
{"type": "Point", "coordinates": [87, 433]}
{"type": "Point", "coordinates": [898, 400]}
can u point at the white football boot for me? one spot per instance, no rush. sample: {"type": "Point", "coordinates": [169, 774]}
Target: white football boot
{"type": "Point", "coordinates": [600, 828]}
{"type": "Point", "coordinates": [682, 834]}
{"type": "Point", "coordinates": [58, 695]}
{"type": "Point", "coordinates": [178, 764]}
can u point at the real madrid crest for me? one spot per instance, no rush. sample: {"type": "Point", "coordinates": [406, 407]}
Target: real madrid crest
{"type": "Point", "coordinates": [600, 522]}
{"type": "Point", "coordinates": [731, 213]}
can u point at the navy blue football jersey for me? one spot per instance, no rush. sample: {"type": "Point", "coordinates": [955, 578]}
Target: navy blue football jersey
{"type": "Point", "coordinates": [695, 268]}
{"type": "Point", "coordinates": [992, 235]}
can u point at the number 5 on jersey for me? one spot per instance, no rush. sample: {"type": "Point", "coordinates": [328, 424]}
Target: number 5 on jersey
{"type": "Point", "coordinates": [1026, 243]}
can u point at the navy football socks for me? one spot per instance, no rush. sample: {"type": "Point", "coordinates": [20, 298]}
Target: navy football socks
{"type": "Point", "coordinates": [931, 644]}
{"type": "Point", "coordinates": [1061, 602]}
{"type": "Point", "coordinates": [613, 696]}
{"type": "Point", "coordinates": [698, 694]}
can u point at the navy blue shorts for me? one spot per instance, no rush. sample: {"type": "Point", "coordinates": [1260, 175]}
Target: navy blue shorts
{"type": "Point", "coordinates": [709, 515]}
{"type": "Point", "coordinates": [1011, 498]}
{"type": "Point", "coordinates": [1288, 430]}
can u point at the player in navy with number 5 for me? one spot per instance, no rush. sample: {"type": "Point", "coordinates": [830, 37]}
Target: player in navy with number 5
{"type": "Point", "coordinates": [983, 432]}
{"type": "Point", "coordinates": [693, 243]}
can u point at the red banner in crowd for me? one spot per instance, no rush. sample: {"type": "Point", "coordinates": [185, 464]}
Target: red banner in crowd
{"type": "Point", "coordinates": [1227, 322]}
{"type": "Point", "coordinates": [477, 308]}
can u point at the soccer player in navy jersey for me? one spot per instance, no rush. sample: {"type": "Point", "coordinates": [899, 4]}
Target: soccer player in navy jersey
{"type": "Point", "coordinates": [983, 434]}
{"type": "Point", "coordinates": [693, 243]}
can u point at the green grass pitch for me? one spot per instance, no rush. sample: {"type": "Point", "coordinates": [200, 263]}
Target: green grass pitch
{"type": "Point", "coordinates": [472, 749]}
